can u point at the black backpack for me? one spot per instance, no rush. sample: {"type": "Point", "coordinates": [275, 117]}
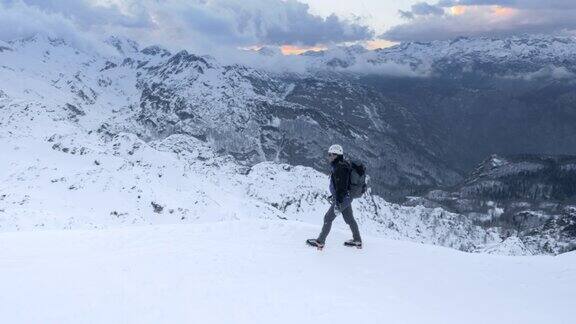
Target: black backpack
{"type": "Point", "coordinates": [357, 179]}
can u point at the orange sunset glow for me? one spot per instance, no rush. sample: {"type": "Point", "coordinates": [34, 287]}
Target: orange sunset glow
{"type": "Point", "coordinates": [378, 43]}
{"type": "Point", "coordinates": [458, 10]}
{"type": "Point", "coordinates": [296, 50]}
{"type": "Point", "coordinates": [503, 11]}
{"type": "Point", "coordinates": [498, 11]}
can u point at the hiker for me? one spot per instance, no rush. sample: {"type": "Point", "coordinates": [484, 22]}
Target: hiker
{"type": "Point", "coordinates": [341, 200]}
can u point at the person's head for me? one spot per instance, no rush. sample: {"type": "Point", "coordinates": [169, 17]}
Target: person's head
{"type": "Point", "coordinates": [334, 152]}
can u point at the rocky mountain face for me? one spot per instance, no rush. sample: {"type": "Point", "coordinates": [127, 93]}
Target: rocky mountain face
{"type": "Point", "coordinates": [420, 115]}
{"type": "Point", "coordinates": [478, 96]}
{"type": "Point", "coordinates": [474, 117]}
{"type": "Point", "coordinates": [260, 116]}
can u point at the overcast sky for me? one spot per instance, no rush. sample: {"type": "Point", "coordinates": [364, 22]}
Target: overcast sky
{"type": "Point", "coordinates": [379, 14]}
{"type": "Point", "coordinates": [212, 25]}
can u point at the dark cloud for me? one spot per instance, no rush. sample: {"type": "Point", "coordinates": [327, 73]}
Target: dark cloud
{"type": "Point", "coordinates": [406, 14]}
{"type": "Point", "coordinates": [88, 13]}
{"type": "Point", "coordinates": [191, 23]}
{"type": "Point", "coordinates": [492, 18]}
{"type": "Point", "coordinates": [311, 30]}
{"type": "Point", "coordinates": [422, 9]}
{"type": "Point", "coordinates": [18, 20]}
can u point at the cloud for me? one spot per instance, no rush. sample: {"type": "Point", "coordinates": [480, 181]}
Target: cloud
{"type": "Point", "coordinates": [18, 20]}
{"type": "Point", "coordinates": [193, 24]}
{"type": "Point", "coordinates": [422, 9]}
{"type": "Point", "coordinates": [518, 4]}
{"type": "Point", "coordinates": [362, 62]}
{"type": "Point", "coordinates": [492, 18]}
{"type": "Point", "coordinates": [545, 73]}
{"type": "Point", "coordinates": [388, 69]}
{"type": "Point", "coordinates": [89, 13]}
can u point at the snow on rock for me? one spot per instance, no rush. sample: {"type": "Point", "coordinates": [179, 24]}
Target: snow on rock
{"type": "Point", "coordinates": [528, 57]}
{"type": "Point", "coordinates": [510, 246]}
{"type": "Point", "coordinates": [59, 174]}
{"type": "Point", "coordinates": [528, 54]}
{"type": "Point", "coordinates": [301, 194]}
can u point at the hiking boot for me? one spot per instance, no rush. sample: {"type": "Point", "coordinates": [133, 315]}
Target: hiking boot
{"type": "Point", "coordinates": [315, 243]}
{"type": "Point", "coordinates": [352, 243]}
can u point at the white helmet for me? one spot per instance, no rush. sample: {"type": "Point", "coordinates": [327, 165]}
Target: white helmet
{"type": "Point", "coordinates": [336, 149]}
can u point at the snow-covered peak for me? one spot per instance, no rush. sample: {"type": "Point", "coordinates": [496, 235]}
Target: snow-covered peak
{"type": "Point", "coordinates": [5, 46]}
{"type": "Point", "coordinates": [40, 41]}
{"type": "Point", "coordinates": [496, 161]}
{"type": "Point", "coordinates": [125, 46]}
{"type": "Point", "coordinates": [155, 50]}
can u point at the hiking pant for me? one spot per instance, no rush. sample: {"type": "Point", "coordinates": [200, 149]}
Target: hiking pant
{"type": "Point", "coordinates": [348, 218]}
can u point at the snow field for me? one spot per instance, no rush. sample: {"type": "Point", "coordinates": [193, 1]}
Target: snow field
{"type": "Point", "coordinates": [260, 271]}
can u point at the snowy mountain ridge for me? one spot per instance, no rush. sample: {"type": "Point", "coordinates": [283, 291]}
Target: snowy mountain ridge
{"type": "Point", "coordinates": [166, 138]}
{"type": "Point", "coordinates": [528, 57]}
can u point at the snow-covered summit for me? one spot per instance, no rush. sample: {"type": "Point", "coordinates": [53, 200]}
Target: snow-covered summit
{"type": "Point", "coordinates": [123, 45]}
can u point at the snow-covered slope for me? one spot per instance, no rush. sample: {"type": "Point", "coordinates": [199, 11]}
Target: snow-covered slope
{"type": "Point", "coordinates": [79, 161]}
{"type": "Point", "coordinates": [58, 175]}
{"type": "Point", "coordinates": [261, 272]}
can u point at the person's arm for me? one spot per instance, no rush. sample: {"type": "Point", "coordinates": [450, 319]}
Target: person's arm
{"type": "Point", "coordinates": [341, 178]}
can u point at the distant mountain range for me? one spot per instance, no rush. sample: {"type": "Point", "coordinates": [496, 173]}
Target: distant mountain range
{"type": "Point", "coordinates": [421, 115]}
{"type": "Point", "coordinates": [529, 57]}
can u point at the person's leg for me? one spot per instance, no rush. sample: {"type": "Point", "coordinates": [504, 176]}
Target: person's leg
{"type": "Point", "coordinates": [349, 219]}
{"type": "Point", "coordinates": [328, 219]}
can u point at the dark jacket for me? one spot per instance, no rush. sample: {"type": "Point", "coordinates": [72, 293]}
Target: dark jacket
{"type": "Point", "coordinates": [340, 179]}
